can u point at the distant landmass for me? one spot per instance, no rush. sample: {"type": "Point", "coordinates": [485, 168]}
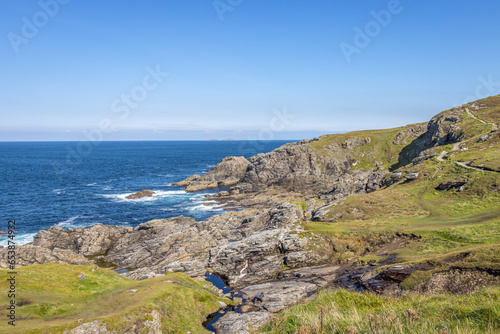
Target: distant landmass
{"type": "Point", "coordinates": [227, 139]}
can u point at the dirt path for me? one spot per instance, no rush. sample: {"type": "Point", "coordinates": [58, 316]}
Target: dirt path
{"type": "Point", "coordinates": [456, 147]}
{"type": "Point", "coordinates": [441, 156]}
{"type": "Point", "coordinates": [495, 126]}
{"type": "Point", "coordinates": [471, 167]}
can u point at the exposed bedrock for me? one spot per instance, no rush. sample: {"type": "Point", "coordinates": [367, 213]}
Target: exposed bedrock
{"type": "Point", "coordinates": [244, 247]}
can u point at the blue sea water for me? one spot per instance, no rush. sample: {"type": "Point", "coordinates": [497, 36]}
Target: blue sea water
{"type": "Point", "coordinates": [73, 184]}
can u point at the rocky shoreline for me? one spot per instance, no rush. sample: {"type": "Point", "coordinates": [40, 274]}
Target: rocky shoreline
{"type": "Point", "coordinates": [260, 247]}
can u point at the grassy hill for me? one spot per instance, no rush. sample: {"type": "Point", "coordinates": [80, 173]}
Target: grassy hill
{"type": "Point", "coordinates": [51, 299]}
{"type": "Point", "coordinates": [441, 230]}
{"type": "Point", "coordinates": [445, 222]}
{"type": "Point", "coordinates": [411, 220]}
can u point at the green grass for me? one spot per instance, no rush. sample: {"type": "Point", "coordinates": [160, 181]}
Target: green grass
{"type": "Point", "coordinates": [333, 310]}
{"type": "Point", "coordinates": [380, 149]}
{"type": "Point", "coordinates": [446, 222]}
{"type": "Point", "coordinates": [51, 297]}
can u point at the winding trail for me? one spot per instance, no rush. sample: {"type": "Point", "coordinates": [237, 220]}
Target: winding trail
{"type": "Point", "coordinates": [495, 126]}
{"type": "Point", "coordinates": [456, 147]}
{"type": "Point", "coordinates": [462, 164]}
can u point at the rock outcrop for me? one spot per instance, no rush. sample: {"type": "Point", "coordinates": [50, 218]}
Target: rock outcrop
{"type": "Point", "coordinates": [451, 185]}
{"type": "Point", "coordinates": [225, 174]}
{"type": "Point", "coordinates": [89, 241]}
{"type": "Point", "coordinates": [30, 254]}
{"type": "Point", "coordinates": [244, 247]}
{"type": "Point", "coordinates": [241, 323]}
{"type": "Point", "coordinates": [141, 194]}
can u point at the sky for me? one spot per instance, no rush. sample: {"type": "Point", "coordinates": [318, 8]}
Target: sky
{"type": "Point", "coordinates": [75, 70]}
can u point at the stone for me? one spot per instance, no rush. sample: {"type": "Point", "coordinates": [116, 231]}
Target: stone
{"type": "Point", "coordinates": [409, 134]}
{"type": "Point", "coordinates": [241, 323]}
{"type": "Point", "coordinates": [422, 158]}
{"type": "Point", "coordinates": [446, 186]}
{"type": "Point", "coordinates": [88, 241]}
{"type": "Point", "coordinates": [141, 194]}
{"type": "Point", "coordinates": [350, 143]}
{"type": "Point", "coordinates": [410, 176]}
{"type": "Point", "coordinates": [225, 174]}
{"type": "Point", "coordinates": [484, 138]}
{"type": "Point", "coordinates": [247, 308]}
{"type": "Point", "coordinates": [93, 327]}
{"type": "Point", "coordinates": [30, 254]}
{"type": "Point", "coordinates": [132, 291]}
{"type": "Point", "coordinates": [277, 295]}
{"type": "Point", "coordinates": [81, 277]}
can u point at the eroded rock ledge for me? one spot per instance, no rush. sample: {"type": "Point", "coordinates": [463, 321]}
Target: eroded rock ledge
{"type": "Point", "coordinates": [245, 247]}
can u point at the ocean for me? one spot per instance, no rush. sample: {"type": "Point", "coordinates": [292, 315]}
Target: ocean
{"type": "Point", "coordinates": [71, 184]}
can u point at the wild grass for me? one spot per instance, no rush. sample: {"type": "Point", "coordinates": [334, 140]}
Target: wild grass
{"type": "Point", "coordinates": [337, 311]}
{"type": "Point", "coordinates": [379, 152]}
{"type": "Point", "coordinates": [51, 297]}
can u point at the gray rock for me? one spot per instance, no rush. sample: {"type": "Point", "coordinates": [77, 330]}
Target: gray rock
{"type": "Point", "coordinates": [30, 254]}
{"type": "Point", "coordinates": [88, 241]}
{"type": "Point", "coordinates": [396, 176]}
{"type": "Point", "coordinates": [451, 185]}
{"type": "Point", "coordinates": [277, 295]}
{"type": "Point", "coordinates": [410, 176]}
{"type": "Point", "coordinates": [93, 327]}
{"type": "Point", "coordinates": [245, 323]}
{"type": "Point", "coordinates": [81, 277]}
{"type": "Point", "coordinates": [484, 138]}
{"type": "Point", "coordinates": [141, 194]}
{"type": "Point", "coordinates": [409, 134]}
{"type": "Point", "coordinates": [353, 142]}
{"type": "Point", "coordinates": [422, 158]}
{"type": "Point", "coordinates": [261, 242]}
{"type": "Point", "coordinates": [225, 174]}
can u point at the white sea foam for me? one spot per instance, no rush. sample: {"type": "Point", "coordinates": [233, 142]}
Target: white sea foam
{"type": "Point", "coordinates": [203, 207]}
{"type": "Point", "coordinates": [68, 222]}
{"type": "Point", "coordinates": [20, 239]}
{"type": "Point", "coordinates": [157, 195]}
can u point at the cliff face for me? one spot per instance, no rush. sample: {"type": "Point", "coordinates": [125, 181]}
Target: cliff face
{"type": "Point", "coordinates": [227, 173]}
{"type": "Point", "coordinates": [344, 164]}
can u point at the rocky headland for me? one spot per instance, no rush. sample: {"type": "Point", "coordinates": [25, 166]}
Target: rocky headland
{"type": "Point", "coordinates": [267, 252]}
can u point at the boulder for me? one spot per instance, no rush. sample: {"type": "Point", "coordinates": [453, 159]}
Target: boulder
{"type": "Point", "coordinates": [276, 296]}
{"type": "Point", "coordinates": [410, 176]}
{"type": "Point", "coordinates": [451, 185]}
{"type": "Point", "coordinates": [484, 138]}
{"type": "Point", "coordinates": [241, 323]}
{"type": "Point", "coordinates": [353, 142]}
{"type": "Point", "coordinates": [141, 194]}
{"type": "Point", "coordinates": [94, 327]}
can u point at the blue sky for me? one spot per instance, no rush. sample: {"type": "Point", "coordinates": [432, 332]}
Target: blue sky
{"type": "Point", "coordinates": [234, 66]}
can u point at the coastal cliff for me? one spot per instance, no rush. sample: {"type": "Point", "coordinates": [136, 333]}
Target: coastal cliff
{"type": "Point", "coordinates": [389, 211]}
